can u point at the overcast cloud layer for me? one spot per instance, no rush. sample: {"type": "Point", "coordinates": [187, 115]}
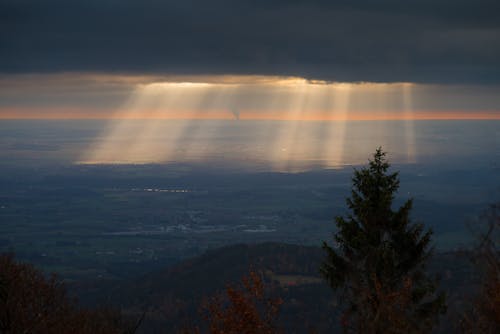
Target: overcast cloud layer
{"type": "Point", "coordinates": [432, 41]}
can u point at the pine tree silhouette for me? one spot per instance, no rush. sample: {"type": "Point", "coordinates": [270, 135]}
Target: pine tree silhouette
{"type": "Point", "coordinates": [378, 259]}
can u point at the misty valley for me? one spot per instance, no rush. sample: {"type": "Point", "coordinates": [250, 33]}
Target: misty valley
{"type": "Point", "coordinates": [93, 221]}
{"type": "Point", "coordinates": [249, 167]}
{"type": "Point", "coordinates": [128, 234]}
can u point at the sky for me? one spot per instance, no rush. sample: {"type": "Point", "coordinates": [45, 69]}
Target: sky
{"type": "Point", "coordinates": [296, 59]}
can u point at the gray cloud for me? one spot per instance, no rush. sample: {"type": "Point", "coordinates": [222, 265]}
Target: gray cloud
{"type": "Point", "coordinates": [387, 40]}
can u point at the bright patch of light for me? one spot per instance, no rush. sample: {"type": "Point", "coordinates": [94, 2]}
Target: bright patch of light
{"type": "Point", "coordinates": [230, 102]}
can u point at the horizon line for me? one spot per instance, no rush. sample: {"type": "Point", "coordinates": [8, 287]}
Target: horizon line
{"type": "Point", "coordinates": [415, 116]}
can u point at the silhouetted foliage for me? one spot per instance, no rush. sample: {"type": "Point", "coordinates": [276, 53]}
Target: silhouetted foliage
{"type": "Point", "coordinates": [378, 259]}
{"type": "Point", "coordinates": [32, 303]}
{"type": "Point", "coordinates": [243, 310]}
{"type": "Point", "coordinates": [484, 314]}
{"type": "Point", "coordinates": [3, 290]}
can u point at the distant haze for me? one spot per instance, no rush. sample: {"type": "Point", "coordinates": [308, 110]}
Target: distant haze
{"type": "Point", "coordinates": [252, 145]}
{"type": "Point", "coordinates": [80, 95]}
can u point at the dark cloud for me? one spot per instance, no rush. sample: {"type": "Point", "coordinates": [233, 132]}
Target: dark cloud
{"type": "Point", "coordinates": [449, 41]}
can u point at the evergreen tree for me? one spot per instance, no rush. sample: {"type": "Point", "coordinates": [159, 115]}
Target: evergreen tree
{"type": "Point", "coordinates": [378, 259]}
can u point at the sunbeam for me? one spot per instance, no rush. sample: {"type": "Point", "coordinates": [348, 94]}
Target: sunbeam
{"type": "Point", "coordinates": [288, 138]}
{"type": "Point", "coordinates": [409, 126]}
{"type": "Point", "coordinates": [290, 123]}
{"type": "Point", "coordinates": [333, 145]}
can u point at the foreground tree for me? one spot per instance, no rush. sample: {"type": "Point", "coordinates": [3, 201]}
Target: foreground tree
{"type": "Point", "coordinates": [242, 310]}
{"type": "Point", "coordinates": [378, 259]}
{"type": "Point", "coordinates": [32, 303]}
{"type": "Point", "coordinates": [483, 315]}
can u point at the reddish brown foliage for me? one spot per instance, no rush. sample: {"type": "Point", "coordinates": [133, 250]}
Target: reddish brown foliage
{"type": "Point", "coordinates": [32, 303]}
{"type": "Point", "coordinates": [244, 310]}
{"type": "Point", "coordinates": [484, 315]}
{"type": "Point", "coordinates": [385, 310]}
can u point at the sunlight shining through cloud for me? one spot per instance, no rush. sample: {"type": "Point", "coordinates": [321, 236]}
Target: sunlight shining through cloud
{"type": "Point", "coordinates": [284, 121]}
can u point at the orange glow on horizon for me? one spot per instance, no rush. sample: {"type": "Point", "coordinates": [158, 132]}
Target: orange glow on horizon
{"type": "Point", "coordinates": [226, 97]}
{"type": "Point", "coordinates": [78, 113]}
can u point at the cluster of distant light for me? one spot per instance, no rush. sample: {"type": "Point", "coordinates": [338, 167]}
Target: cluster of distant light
{"type": "Point", "coordinates": [229, 102]}
{"type": "Point", "coordinates": [156, 190]}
